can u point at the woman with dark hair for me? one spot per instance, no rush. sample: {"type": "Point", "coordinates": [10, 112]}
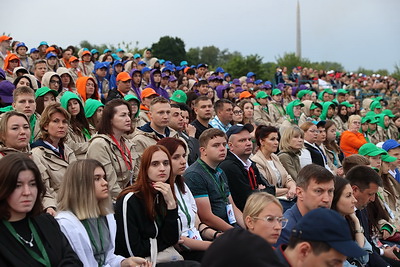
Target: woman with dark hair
{"type": "Point", "coordinates": [344, 203]}
{"type": "Point", "coordinates": [44, 96]}
{"type": "Point", "coordinates": [22, 81]}
{"type": "Point", "coordinates": [78, 130]}
{"type": "Point", "coordinates": [342, 116]}
{"type": "Point", "coordinates": [332, 149]}
{"type": "Point", "coordinates": [111, 148]}
{"type": "Point", "coordinates": [270, 166]}
{"type": "Point", "coordinates": [93, 112]}
{"type": "Point", "coordinates": [28, 237]}
{"type": "Point", "coordinates": [193, 231]}
{"type": "Point", "coordinates": [86, 215]}
{"type": "Point", "coordinates": [146, 212]}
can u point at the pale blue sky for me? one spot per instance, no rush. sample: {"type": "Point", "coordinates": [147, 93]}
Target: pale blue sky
{"type": "Point", "coordinates": [352, 32]}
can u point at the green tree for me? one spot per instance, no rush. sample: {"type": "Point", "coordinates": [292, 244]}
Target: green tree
{"type": "Point", "coordinates": [193, 56]}
{"type": "Point", "coordinates": [170, 48]}
{"type": "Point", "coordinates": [290, 60]}
{"type": "Point", "coordinates": [396, 73]}
{"type": "Point", "coordinates": [210, 55]}
{"type": "Point", "coordinates": [239, 66]}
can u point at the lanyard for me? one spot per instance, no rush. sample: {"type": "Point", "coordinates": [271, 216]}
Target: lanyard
{"type": "Point", "coordinates": [280, 109]}
{"type": "Point", "coordinates": [252, 178]}
{"type": "Point", "coordinates": [97, 250]}
{"type": "Point", "coordinates": [220, 185]}
{"type": "Point", "coordinates": [184, 208]}
{"type": "Point", "coordinates": [45, 258]}
{"type": "Point", "coordinates": [32, 122]}
{"type": "Point", "coordinates": [128, 164]}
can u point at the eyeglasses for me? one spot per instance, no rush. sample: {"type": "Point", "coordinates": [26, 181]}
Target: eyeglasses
{"type": "Point", "coordinates": [237, 112]}
{"type": "Point", "coordinates": [272, 219]}
{"type": "Point", "coordinates": [314, 131]}
{"type": "Point", "coordinates": [53, 81]}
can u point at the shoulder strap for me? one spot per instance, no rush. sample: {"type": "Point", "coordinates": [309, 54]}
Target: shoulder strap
{"type": "Point", "coordinates": [124, 218]}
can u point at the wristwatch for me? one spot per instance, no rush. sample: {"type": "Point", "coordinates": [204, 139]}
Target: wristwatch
{"type": "Point", "coordinates": [361, 230]}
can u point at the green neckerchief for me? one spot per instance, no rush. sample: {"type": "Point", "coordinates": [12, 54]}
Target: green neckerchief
{"type": "Point", "coordinates": [266, 109]}
{"type": "Point", "coordinates": [32, 123]}
{"type": "Point", "coordinates": [86, 133]}
{"type": "Point", "coordinates": [44, 258]}
{"type": "Point", "coordinates": [91, 237]}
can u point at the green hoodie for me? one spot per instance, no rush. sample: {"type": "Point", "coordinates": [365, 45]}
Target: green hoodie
{"type": "Point", "coordinates": [289, 110]}
{"type": "Point", "coordinates": [91, 105]}
{"type": "Point", "coordinates": [325, 107]}
{"type": "Point", "coordinates": [67, 96]}
{"type": "Point", "coordinates": [381, 120]}
{"type": "Point", "coordinates": [321, 94]}
{"type": "Point", "coordinates": [132, 97]}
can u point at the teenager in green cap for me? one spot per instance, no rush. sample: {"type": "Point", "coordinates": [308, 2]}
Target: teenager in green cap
{"type": "Point", "coordinates": [44, 96]}
{"type": "Point", "coordinates": [276, 109]}
{"type": "Point", "coordinates": [78, 129]}
{"type": "Point", "coordinates": [311, 111]}
{"type": "Point", "coordinates": [262, 115]}
{"type": "Point", "coordinates": [293, 111]}
{"type": "Point", "coordinates": [328, 111]}
{"type": "Point", "coordinates": [373, 134]}
{"type": "Point", "coordinates": [135, 104]}
{"type": "Point", "coordinates": [93, 111]}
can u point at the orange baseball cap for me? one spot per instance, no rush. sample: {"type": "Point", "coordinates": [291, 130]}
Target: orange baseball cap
{"type": "Point", "coordinates": [148, 92]}
{"type": "Point", "coordinates": [123, 76]}
{"type": "Point", "coordinates": [50, 49]}
{"type": "Point", "coordinates": [245, 94]}
{"type": "Point", "coordinates": [86, 52]}
{"type": "Point", "coordinates": [5, 38]}
{"type": "Point", "coordinates": [72, 59]}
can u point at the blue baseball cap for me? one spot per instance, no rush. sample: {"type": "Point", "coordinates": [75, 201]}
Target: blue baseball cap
{"type": "Point", "coordinates": [142, 63]}
{"type": "Point", "coordinates": [100, 65]}
{"type": "Point", "coordinates": [22, 45]}
{"type": "Point", "coordinates": [136, 56]}
{"type": "Point", "coordinates": [94, 51]}
{"type": "Point", "coordinates": [184, 63]}
{"type": "Point", "coordinates": [328, 226]}
{"type": "Point", "coordinates": [390, 144]}
{"type": "Point", "coordinates": [250, 74]}
{"type": "Point", "coordinates": [220, 70]}
{"type": "Point", "coordinates": [120, 50]}
{"type": "Point", "coordinates": [106, 50]}
{"type": "Point", "coordinates": [43, 43]}
{"type": "Point", "coordinates": [145, 69]}
{"type": "Point", "coordinates": [257, 82]}
{"type": "Point", "coordinates": [49, 55]}
{"type": "Point", "coordinates": [34, 50]}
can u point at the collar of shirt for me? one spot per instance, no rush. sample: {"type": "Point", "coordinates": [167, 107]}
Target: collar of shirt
{"type": "Point", "coordinates": [246, 164]}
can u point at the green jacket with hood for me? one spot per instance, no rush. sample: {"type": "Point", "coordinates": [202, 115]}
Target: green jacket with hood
{"type": "Point", "coordinates": [325, 107]}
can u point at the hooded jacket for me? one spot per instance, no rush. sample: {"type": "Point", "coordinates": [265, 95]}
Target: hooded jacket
{"type": "Point", "coordinates": [15, 75]}
{"type": "Point", "coordinates": [25, 61]}
{"type": "Point", "coordinates": [137, 89]}
{"type": "Point", "coordinates": [78, 142]}
{"type": "Point", "coordinates": [56, 163]}
{"type": "Point", "coordinates": [156, 86]}
{"type": "Point", "coordinates": [47, 77]}
{"type": "Point", "coordinates": [86, 68]}
{"type": "Point", "coordinates": [291, 162]}
{"type": "Point", "coordinates": [103, 148]}
{"type": "Point", "coordinates": [113, 76]}
{"type": "Point", "coordinates": [71, 86]}
{"type": "Point", "coordinates": [81, 88]}
{"type": "Point", "coordinates": [262, 117]}
{"type": "Point", "coordinates": [325, 107]}
{"type": "Point", "coordinates": [9, 73]}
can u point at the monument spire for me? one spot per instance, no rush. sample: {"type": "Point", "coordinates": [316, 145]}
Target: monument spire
{"type": "Point", "coordinates": [298, 31]}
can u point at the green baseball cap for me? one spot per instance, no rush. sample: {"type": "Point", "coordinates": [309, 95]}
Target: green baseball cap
{"type": "Point", "coordinates": [261, 94]}
{"type": "Point", "coordinates": [388, 113]}
{"type": "Point", "coordinates": [179, 96]}
{"type": "Point", "coordinates": [342, 91]}
{"type": "Point", "coordinates": [369, 149]}
{"type": "Point", "coordinates": [302, 93]}
{"type": "Point", "coordinates": [131, 97]}
{"type": "Point", "coordinates": [276, 92]}
{"type": "Point", "coordinates": [388, 158]}
{"type": "Point", "coordinates": [44, 90]}
{"type": "Point", "coordinates": [315, 105]}
{"type": "Point", "coordinates": [91, 105]}
{"type": "Point", "coordinates": [347, 104]}
{"type": "Point", "coordinates": [375, 104]}
{"type": "Point", "coordinates": [297, 102]}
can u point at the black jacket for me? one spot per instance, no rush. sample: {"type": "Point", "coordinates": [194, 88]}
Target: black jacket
{"type": "Point", "coordinates": [238, 180]}
{"type": "Point", "coordinates": [56, 244]}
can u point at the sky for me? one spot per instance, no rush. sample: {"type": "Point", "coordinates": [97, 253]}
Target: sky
{"type": "Point", "coordinates": [355, 33]}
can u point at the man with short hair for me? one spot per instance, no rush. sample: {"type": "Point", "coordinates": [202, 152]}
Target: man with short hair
{"type": "Point", "coordinates": [243, 175]}
{"type": "Point", "coordinates": [201, 71]}
{"type": "Point", "coordinates": [123, 87]}
{"type": "Point", "coordinates": [203, 109]}
{"type": "Point", "coordinates": [157, 128]}
{"type": "Point", "coordinates": [365, 183]}
{"type": "Point", "coordinates": [177, 123]}
{"type": "Point", "coordinates": [321, 238]}
{"type": "Point", "coordinates": [314, 190]}
{"type": "Point", "coordinates": [202, 87]}
{"type": "Point", "coordinates": [39, 69]}
{"type": "Point", "coordinates": [224, 113]}
{"type": "Point", "coordinates": [354, 160]}
{"type": "Point", "coordinates": [5, 44]}
{"type": "Point", "coordinates": [208, 183]}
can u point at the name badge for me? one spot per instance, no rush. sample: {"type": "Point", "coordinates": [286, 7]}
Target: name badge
{"type": "Point", "coordinates": [230, 213]}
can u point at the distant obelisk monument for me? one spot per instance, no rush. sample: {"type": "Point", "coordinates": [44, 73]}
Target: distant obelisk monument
{"type": "Point", "coordinates": [298, 31]}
